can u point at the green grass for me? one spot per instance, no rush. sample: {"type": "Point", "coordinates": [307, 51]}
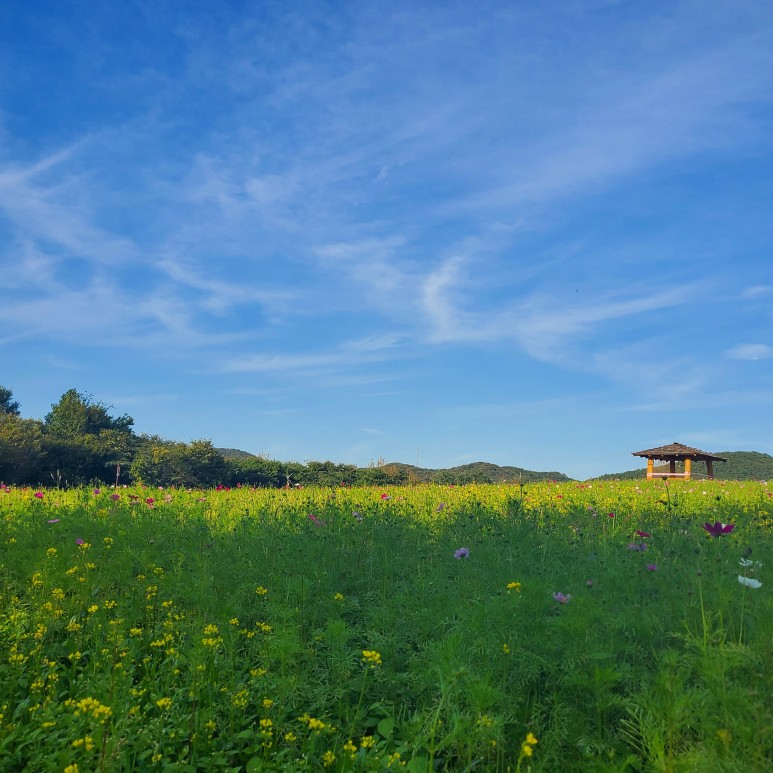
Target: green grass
{"type": "Point", "coordinates": [153, 646]}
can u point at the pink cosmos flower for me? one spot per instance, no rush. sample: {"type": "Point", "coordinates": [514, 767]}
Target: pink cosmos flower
{"type": "Point", "coordinates": [149, 501]}
{"type": "Point", "coordinates": [385, 496]}
{"type": "Point", "coordinates": [718, 529]}
{"type": "Point", "coordinates": [611, 515]}
{"type": "Point", "coordinates": [115, 497]}
{"type": "Point", "coordinates": [652, 567]}
{"type": "Point", "coordinates": [80, 541]}
{"type": "Point", "coordinates": [38, 495]}
{"type": "Point", "coordinates": [562, 598]}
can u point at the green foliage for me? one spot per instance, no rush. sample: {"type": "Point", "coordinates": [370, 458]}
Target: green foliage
{"type": "Point", "coordinates": [8, 405]}
{"type": "Point", "coordinates": [166, 463]}
{"type": "Point", "coordinates": [476, 472]}
{"type": "Point", "coordinates": [76, 415]}
{"type": "Point", "coordinates": [212, 630]}
{"type": "Point", "coordinates": [21, 448]}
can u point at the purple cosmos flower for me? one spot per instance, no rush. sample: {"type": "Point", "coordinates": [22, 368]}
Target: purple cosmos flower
{"type": "Point", "coordinates": [562, 598]}
{"type": "Point", "coordinates": [717, 529]}
{"type": "Point", "coordinates": [638, 546]}
{"type": "Point", "coordinates": [97, 492]}
{"type": "Point", "coordinates": [115, 497]}
{"type": "Point", "coordinates": [440, 507]}
{"type": "Point", "coordinates": [80, 541]}
{"type": "Point", "coordinates": [652, 567]}
{"type": "Point", "coordinates": [462, 553]}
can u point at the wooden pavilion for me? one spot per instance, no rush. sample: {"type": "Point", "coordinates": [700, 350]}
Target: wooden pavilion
{"type": "Point", "coordinates": [676, 452]}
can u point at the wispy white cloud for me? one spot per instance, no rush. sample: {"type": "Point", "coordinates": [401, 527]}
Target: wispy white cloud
{"type": "Point", "coordinates": [750, 352]}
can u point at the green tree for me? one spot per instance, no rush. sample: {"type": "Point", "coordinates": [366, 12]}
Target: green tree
{"type": "Point", "coordinates": [166, 463]}
{"type": "Point", "coordinates": [83, 442]}
{"type": "Point", "coordinates": [8, 406]}
{"type": "Point", "coordinates": [21, 449]}
{"type": "Point", "coordinates": [76, 414]}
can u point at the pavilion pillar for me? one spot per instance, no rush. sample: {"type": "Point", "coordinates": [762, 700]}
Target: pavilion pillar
{"type": "Point", "coordinates": [650, 468]}
{"type": "Point", "coordinates": [671, 466]}
{"type": "Point", "coordinates": [710, 468]}
{"type": "Point", "coordinates": [687, 468]}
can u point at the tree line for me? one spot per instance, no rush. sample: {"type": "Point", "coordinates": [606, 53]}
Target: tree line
{"type": "Point", "coordinates": [79, 442]}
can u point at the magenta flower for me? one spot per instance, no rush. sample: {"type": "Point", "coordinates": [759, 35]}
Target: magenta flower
{"type": "Point", "coordinates": [97, 492]}
{"type": "Point", "coordinates": [462, 553]}
{"type": "Point", "coordinates": [643, 534]}
{"type": "Point", "coordinates": [38, 495]}
{"type": "Point", "coordinates": [115, 497]}
{"type": "Point", "coordinates": [652, 567]}
{"type": "Point", "coordinates": [149, 501]}
{"type": "Point", "coordinates": [80, 541]}
{"type": "Point", "coordinates": [385, 496]}
{"type": "Point", "coordinates": [717, 529]}
{"type": "Point", "coordinates": [562, 598]}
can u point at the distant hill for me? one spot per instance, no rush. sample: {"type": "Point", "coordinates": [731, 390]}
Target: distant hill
{"type": "Point", "coordinates": [235, 453]}
{"type": "Point", "coordinates": [476, 472]}
{"type": "Point", "coordinates": [740, 465]}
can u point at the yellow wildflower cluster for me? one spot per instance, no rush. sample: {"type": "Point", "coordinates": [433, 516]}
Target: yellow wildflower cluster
{"type": "Point", "coordinates": [51, 552]}
{"type": "Point", "coordinates": [514, 586]}
{"type": "Point", "coordinates": [371, 658]}
{"type": "Point", "coordinates": [92, 706]}
{"type": "Point", "coordinates": [313, 724]}
{"type": "Point", "coordinates": [260, 591]}
{"type": "Point", "coordinates": [527, 748]}
{"type": "Point", "coordinates": [339, 597]}
{"type": "Point", "coordinates": [395, 761]}
{"type": "Point", "coordinates": [240, 699]}
{"type": "Point", "coordinates": [367, 742]}
{"type": "Point", "coordinates": [164, 703]}
{"type": "Point", "coordinates": [328, 758]}
{"type": "Point", "coordinates": [86, 743]}
{"type": "Point", "coordinates": [212, 636]}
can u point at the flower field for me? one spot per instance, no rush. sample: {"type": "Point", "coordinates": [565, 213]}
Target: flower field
{"type": "Point", "coordinates": [558, 627]}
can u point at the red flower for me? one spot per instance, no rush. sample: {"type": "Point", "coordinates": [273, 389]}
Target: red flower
{"type": "Point", "coordinates": [717, 529]}
{"type": "Point", "coordinates": [641, 533]}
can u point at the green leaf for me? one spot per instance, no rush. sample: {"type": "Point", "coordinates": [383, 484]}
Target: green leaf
{"type": "Point", "coordinates": [386, 726]}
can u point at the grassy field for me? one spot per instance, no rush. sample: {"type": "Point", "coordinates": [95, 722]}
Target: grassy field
{"type": "Point", "coordinates": [560, 627]}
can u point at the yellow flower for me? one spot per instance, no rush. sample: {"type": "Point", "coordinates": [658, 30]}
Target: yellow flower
{"type": "Point", "coordinates": [367, 742]}
{"type": "Point", "coordinates": [516, 586]}
{"type": "Point", "coordinates": [164, 703]}
{"type": "Point", "coordinates": [531, 740]}
{"type": "Point", "coordinates": [339, 597]}
{"type": "Point", "coordinates": [371, 658]}
{"type": "Point", "coordinates": [506, 648]}
{"type": "Point", "coordinates": [290, 737]}
{"type": "Point", "coordinates": [724, 736]}
{"type": "Point", "coordinates": [260, 591]}
{"type": "Point", "coordinates": [328, 758]}
{"type": "Point", "coordinates": [267, 703]}
{"type": "Point", "coordinates": [71, 769]}
{"type": "Point", "coordinates": [526, 750]}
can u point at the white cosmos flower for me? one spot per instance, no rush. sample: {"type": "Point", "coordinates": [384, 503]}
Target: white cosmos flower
{"type": "Point", "coordinates": [747, 562]}
{"type": "Point", "coordinates": [749, 582]}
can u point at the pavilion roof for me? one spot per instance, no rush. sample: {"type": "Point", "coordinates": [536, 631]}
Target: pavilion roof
{"type": "Point", "coordinates": [678, 451]}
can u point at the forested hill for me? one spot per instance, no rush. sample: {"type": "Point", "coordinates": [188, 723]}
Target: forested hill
{"type": "Point", "coordinates": [740, 465]}
{"type": "Point", "coordinates": [476, 472]}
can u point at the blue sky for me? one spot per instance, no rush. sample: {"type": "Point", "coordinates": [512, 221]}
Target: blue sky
{"type": "Point", "coordinates": [535, 234]}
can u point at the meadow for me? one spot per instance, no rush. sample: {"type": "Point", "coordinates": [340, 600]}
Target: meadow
{"type": "Point", "coordinates": [552, 627]}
